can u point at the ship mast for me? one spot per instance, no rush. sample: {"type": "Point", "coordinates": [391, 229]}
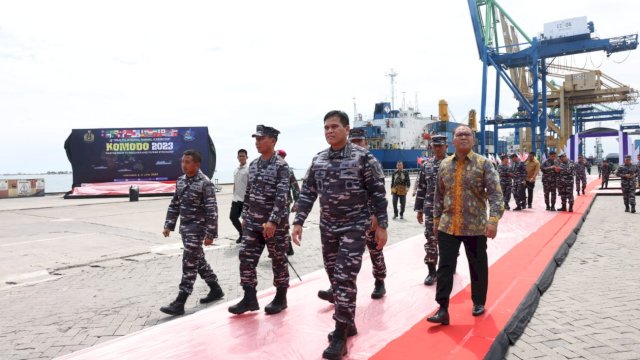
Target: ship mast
{"type": "Point", "coordinates": [355, 111]}
{"type": "Point", "coordinates": [392, 74]}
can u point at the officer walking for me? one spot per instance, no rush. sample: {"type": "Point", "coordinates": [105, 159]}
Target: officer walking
{"type": "Point", "coordinates": [194, 201]}
{"type": "Point", "coordinates": [344, 177]}
{"type": "Point", "coordinates": [628, 173]}
{"type": "Point", "coordinates": [427, 181]}
{"type": "Point", "coordinates": [506, 179]}
{"type": "Point", "coordinates": [265, 223]}
{"type": "Point", "coordinates": [581, 175]}
{"type": "Point", "coordinates": [519, 178]}
{"type": "Point", "coordinates": [605, 169]}
{"type": "Point", "coordinates": [566, 171]}
{"type": "Point", "coordinates": [550, 180]}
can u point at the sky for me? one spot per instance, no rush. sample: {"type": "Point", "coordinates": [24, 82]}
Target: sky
{"type": "Point", "coordinates": [235, 64]}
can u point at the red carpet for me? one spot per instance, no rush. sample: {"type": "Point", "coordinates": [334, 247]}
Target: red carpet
{"type": "Point", "coordinates": [390, 328]}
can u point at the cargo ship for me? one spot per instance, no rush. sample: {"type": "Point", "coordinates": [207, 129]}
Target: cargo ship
{"type": "Point", "coordinates": [396, 135]}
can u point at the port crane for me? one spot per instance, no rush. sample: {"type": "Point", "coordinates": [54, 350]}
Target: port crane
{"type": "Point", "coordinates": [513, 60]}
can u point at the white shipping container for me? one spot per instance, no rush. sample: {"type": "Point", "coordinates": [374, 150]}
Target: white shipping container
{"type": "Point", "coordinates": [565, 28]}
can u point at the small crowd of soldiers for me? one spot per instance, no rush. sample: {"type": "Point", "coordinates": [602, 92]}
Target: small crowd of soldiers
{"type": "Point", "coordinates": [349, 184]}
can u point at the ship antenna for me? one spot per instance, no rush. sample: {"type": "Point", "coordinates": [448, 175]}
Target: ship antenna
{"type": "Point", "coordinates": [355, 111]}
{"type": "Point", "coordinates": [392, 74]}
{"type": "Point", "coordinates": [417, 110]}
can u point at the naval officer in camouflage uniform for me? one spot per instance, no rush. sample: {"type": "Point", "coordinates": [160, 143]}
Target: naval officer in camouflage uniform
{"type": "Point", "coordinates": [550, 180]}
{"type": "Point", "coordinates": [505, 171]}
{"type": "Point", "coordinates": [605, 170]}
{"type": "Point", "coordinates": [628, 173]}
{"type": "Point", "coordinates": [519, 179]}
{"type": "Point", "coordinates": [344, 177]}
{"type": "Point", "coordinates": [581, 174]}
{"type": "Point", "coordinates": [427, 181]}
{"type": "Point", "coordinates": [265, 223]}
{"type": "Point", "coordinates": [194, 201]}
{"type": "Point", "coordinates": [566, 171]}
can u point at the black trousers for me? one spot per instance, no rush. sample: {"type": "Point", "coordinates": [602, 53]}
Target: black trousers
{"type": "Point", "coordinates": [530, 185]}
{"type": "Point", "coordinates": [403, 202]}
{"type": "Point", "coordinates": [476, 249]}
{"type": "Point", "coordinates": [234, 215]}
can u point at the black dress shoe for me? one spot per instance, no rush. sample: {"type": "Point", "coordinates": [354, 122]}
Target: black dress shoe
{"type": "Point", "coordinates": [477, 310]}
{"type": "Point", "coordinates": [430, 279]}
{"type": "Point", "coordinates": [518, 208]}
{"type": "Point", "coordinates": [440, 317]}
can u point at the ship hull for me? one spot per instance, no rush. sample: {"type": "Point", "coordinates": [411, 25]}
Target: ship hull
{"type": "Point", "coordinates": [389, 157]}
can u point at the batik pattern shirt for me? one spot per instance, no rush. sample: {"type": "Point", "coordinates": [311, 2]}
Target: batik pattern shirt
{"type": "Point", "coordinates": [465, 185]}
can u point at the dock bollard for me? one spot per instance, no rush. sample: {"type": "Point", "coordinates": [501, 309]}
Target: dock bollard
{"type": "Point", "coordinates": [134, 193]}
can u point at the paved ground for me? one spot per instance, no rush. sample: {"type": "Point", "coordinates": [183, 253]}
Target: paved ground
{"type": "Point", "coordinates": [93, 288]}
{"type": "Point", "coordinates": [592, 309]}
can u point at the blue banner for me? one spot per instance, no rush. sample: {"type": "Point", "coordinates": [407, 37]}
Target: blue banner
{"type": "Point", "coordinates": [135, 154]}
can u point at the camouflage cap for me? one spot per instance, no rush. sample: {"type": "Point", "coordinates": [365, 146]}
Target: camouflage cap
{"type": "Point", "coordinates": [562, 154]}
{"type": "Point", "coordinates": [356, 134]}
{"type": "Point", "coordinates": [262, 130]}
{"type": "Point", "coordinates": [438, 140]}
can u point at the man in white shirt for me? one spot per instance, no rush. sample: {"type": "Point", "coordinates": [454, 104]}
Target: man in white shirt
{"type": "Point", "coordinates": [240, 180]}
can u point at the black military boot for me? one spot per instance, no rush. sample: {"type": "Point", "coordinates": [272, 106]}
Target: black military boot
{"type": "Point", "coordinates": [351, 331]}
{"type": "Point", "coordinates": [633, 208]}
{"type": "Point", "coordinates": [570, 207]}
{"type": "Point", "coordinates": [176, 307]}
{"type": "Point", "coordinates": [626, 207]}
{"type": "Point", "coordinates": [431, 277]}
{"type": "Point", "coordinates": [379, 290]}
{"type": "Point", "coordinates": [214, 294]}
{"type": "Point", "coordinates": [564, 207]}
{"type": "Point", "coordinates": [548, 207]}
{"type": "Point", "coordinates": [506, 206]}
{"type": "Point", "coordinates": [552, 207]}
{"type": "Point", "coordinates": [326, 295]}
{"type": "Point", "coordinates": [338, 346]}
{"type": "Point", "coordinates": [248, 303]}
{"type": "Point", "coordinates": [279, 302]}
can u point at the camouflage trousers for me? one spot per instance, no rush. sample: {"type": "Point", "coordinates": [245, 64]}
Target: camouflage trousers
{"type": "Point", "coordinates": [549, 187]}
{"type": "Point", "coordinates": [253, 244]}
{"type": "Point", "coordinates": [565, 190]}
{"type": "Point", "coordinates": [342, 255]}
{"type": "Point", "coordinates": [506, 191]}
{"type": "Point", "coordinates": [605, 181]}
{"type": "Point", "coordinates": [581, 179]}
{"type": "Point", "coordinates": [629, 194]}
{"type": "Point", "coordinates": [431, 246]}
{"type": "Point", "coordinates": [194, 263]}
{"type": "Point", "coordinates": [377, 257]}
{"type": "Point", "coordinates": [518, 193]}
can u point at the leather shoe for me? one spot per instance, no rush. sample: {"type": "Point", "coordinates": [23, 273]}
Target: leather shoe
{"type": "Point", "coordinates": [430, 279]}
{"type": "Point", "coordinates": [477, 310]}
{"type": "Point", "coordinates": [440, 317]}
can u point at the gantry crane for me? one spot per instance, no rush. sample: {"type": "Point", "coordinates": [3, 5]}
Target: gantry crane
{"type": "Point", "coordinates": [531, 55]}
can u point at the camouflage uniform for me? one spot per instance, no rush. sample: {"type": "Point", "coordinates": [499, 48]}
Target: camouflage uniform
{"type": "Point", "coordinates": [549, 182]}
{"type": "Point", "coordinates": [427, 181]}
{"type": "Point", "coordinates": [628, 184]}
{"type": "Point", "coordinates": [606, 171]}
{"type": "Point", "coordinates": [519, 177]}
{"type": "Point", "coordinates": [265, 201]}
{"type": "Point", "coordinates": [581, 176]}
{"type": "Point", "coordinates": [565, 182]}
{"type": "Point", "coordinates": [506, 182]}
{"type": "Point", "coordinates": [344, 180]}
{"type": "Point", "coordinates": [194, 201]}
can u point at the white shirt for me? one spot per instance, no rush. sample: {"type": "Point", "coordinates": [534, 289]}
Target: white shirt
{"type": "Point", "coordinates": [240, 180]}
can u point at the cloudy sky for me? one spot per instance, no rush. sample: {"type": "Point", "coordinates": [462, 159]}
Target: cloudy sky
{"type": "Point", "coordinates": [235, 64]}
